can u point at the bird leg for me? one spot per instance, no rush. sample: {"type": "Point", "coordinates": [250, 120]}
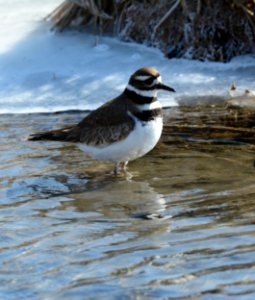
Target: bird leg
{"type": "Point", "coordinates": [120, 167]}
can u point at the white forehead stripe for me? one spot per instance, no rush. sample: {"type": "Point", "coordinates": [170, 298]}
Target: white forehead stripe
{"type": "Point", "coordinates": [142, 77]}
{"type": "Point", "coordinates": [149, 93]}
{"type": "Point", "coordinates": [145, 77]}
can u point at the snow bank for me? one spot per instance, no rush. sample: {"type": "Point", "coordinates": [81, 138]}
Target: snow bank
{"type": "Point", "coordinates": [43, 71]}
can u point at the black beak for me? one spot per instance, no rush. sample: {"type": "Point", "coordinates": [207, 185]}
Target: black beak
{"type": "Point", "coordinates": [162, 86]}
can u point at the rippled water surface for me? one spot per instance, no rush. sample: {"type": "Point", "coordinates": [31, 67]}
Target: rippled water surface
{"type": "Point", "coordinates": [179, 225]}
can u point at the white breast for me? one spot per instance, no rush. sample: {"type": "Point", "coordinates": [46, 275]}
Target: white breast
{"type": "Point", "coordinates": [141, 140]}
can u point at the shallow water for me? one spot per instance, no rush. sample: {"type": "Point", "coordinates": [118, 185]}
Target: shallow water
{"type": "Point", "coordinates": [179, 225]}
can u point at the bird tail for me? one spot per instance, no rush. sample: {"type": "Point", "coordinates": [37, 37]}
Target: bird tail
{"type": "Point", "coordinates": [55, 135]}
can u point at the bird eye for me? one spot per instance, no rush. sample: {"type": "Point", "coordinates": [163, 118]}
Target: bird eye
{"type": "Point", "coordinates": [149, 81]}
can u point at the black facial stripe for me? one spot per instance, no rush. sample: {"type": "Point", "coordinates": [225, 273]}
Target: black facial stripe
{"type": "Point", "coordinates": [148, 88]}
{"type": "Point", "coordinates": [138, 99]}
{"type": "Point", "coordinates": [149, 80]}
{"type": "Point", "coordinates": [148, 115]}
{"type": "Point", "coordinates": [143, 80]}
{"type": "Point", "coordinates": [144, 85]}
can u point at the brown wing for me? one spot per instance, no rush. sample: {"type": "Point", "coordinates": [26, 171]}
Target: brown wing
{"type": "Point", "coordinates": [107, 124]}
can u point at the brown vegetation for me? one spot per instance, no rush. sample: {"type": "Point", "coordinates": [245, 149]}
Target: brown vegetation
{"type": "Point", "coordinates": [197, 29]}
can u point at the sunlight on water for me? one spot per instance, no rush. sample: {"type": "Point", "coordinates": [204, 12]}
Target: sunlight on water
{"type": "Point", "coordinates": [180, 225]}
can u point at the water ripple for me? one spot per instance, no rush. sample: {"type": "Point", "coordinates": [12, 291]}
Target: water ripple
{"type": "Point", "coordinates": [178, 227]}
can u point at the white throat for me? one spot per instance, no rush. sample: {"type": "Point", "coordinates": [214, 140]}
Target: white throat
{"type": "Point", "coordinates": [149, 106]}
{"type": "Point", "coordinates": [143, 93]}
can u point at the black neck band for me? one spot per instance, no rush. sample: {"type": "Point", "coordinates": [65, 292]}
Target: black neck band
{"type": "Point", "coordinates": [148, 115]}
{"type": "Point", "coordinates": [138, 99]}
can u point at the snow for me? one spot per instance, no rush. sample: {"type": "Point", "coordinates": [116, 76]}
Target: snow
{"type": "Point", "coordinates": [45, 71]}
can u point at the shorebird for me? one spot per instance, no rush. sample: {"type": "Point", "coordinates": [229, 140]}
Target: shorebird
{"type": "Point", "coordinates": [122, 129]}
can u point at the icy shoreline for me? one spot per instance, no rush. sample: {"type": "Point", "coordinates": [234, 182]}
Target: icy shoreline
{"type": "Point", "coordinates": [43, 71]}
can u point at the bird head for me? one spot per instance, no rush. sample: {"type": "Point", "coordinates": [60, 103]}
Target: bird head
{"type": "Point", "coordinates": [147, 81]}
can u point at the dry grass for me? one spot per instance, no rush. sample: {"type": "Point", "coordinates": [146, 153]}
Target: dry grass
{"type": "Point", "coordinates": [197, 29]}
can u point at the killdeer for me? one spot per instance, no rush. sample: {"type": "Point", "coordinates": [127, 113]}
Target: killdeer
{"type": "Point", "coordinates": [122, 129]}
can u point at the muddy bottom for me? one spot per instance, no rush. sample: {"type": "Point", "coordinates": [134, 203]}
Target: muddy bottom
{"type": "Point", "coordinates": [178, 225]}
